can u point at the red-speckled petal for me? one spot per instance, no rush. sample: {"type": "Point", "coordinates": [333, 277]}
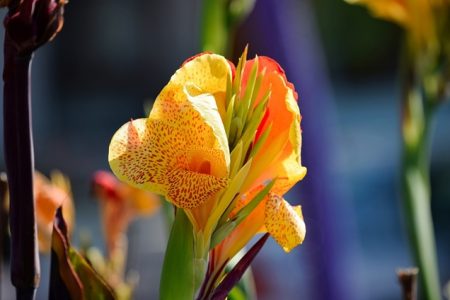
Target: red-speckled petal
{"type": "Point", "coordinates": [143, 151]}
{"type": "Point", "coordinates": [284, 222]}
{"type": "Point", "coordinates": [191, 189]}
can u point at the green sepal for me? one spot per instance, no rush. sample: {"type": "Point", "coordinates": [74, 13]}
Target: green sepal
{"type": "Point", "coordinates": [246, 210]}
{"type": "Point", "coordinates": [236, 158]}
{"type": "Point", "coordinates": [177, 277]}
{"type": "Point", "coordinates": [250, 92]}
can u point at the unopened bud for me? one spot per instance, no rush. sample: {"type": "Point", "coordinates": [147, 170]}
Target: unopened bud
{"type": "Point", "coordinates": [33, 23]}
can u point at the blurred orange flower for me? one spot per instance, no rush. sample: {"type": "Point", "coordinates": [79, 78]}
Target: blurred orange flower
{"type": "Point", "coordinates": [120, 204]}
{"type": "Point", "coordinates": [50, 194]}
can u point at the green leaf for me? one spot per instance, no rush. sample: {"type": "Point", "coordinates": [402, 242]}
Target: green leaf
{"type": "Point", "coordinates": [246, 210]}
{"type": "Point", "coordinates": [236, 158]}
{"type": "Point", "coordinates": [229, 117]}
{"type": "Point", "coordinates": [222, 233]}
{"type": "Point", "coordinates": [220, 213]}
{"type": "Point", "coordinates": [261, 141]}
{"type": "Point", "coordinates": [177, 278]}
{"type": "Point", "coordinates": [239, 70]}
{"type": "Point", "coordinates": [249, 92]}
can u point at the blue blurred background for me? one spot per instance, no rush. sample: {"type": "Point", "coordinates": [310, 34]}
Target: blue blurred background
{"type": "Point", "coordinates": [114, 56]}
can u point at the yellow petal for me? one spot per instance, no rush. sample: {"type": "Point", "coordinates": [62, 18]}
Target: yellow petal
{"type": "Point", "coordinates": [184, 134]}
{"type": "Point", "coordinates": [205, 74]}
{"type": "Point", "coordinates": [142, 151]}
{"type": "Point", "coordinates": [199, 85]}
{"type": "Point", "coordinates": [189, 189]}
{"type": "Point", "coordinates": [284, 222]}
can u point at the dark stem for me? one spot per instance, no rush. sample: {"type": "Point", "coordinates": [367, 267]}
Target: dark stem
{"type": "Point", "coordinates": [408, 281]}
{"type": "Point", "coordinates": [3, 222]}
{"type": "Point", "coordinates": [19, 160]}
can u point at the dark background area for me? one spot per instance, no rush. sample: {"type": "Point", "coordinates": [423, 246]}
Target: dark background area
{"type": "Point", "coordinates": [113, 57]}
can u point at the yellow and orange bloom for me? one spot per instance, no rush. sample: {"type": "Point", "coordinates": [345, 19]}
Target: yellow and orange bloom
{"type": "Point", "coordinates": [214, 139]}
{"type": "Point", "coordinates": [50, 194]}
{"type": "Point", "coordinates": [120, 204]}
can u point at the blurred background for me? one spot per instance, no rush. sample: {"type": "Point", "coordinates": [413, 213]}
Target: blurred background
{"type": "Point", "coordinates": [113, 57]}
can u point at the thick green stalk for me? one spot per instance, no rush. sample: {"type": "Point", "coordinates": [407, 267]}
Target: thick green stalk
{"type": "Point", "coordinates": [177, 277]}
{"type": "Point", "coordinates": [417, 115]}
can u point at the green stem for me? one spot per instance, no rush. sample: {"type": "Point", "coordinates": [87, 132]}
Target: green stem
{"type": "Point", "coordinates": [214, 30]}
{"type": "Point", "coordinates": [177, 277]}
{"type": "Point", "coordinates": [416, 188]}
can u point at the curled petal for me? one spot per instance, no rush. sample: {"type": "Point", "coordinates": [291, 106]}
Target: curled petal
{"type": "Point", "coordinates": [183, 135]}
{"type": "Point", "coordinates": [284, 222]}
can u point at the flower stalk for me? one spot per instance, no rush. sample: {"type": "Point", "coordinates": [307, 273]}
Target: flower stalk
{"type": "Point", "coordinates": [28, 25]}
{"type": "Point", "coordinates": [219, 21]}
{"type": "Point", "coordinates": [416, 130]}
{"type": "Point", "coordinates": [19, 159]}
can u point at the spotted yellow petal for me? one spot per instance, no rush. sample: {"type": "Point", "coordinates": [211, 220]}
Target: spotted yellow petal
{"type": "Point", "coordinates": [189, 189]}
{"type": "Point", "coordinates": [200, 85]}
{"type": "Point", "coordinates": [184, 135]}
{"type": "Point", "coordinates": [205, 74]}
{"type": "Point", "coordinates": [284, 222]}
{"type": "Point", "coordinates": [142, 151]}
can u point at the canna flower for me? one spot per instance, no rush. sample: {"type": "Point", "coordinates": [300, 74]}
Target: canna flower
{"type": "Point", "coordinates": [223, 143]}
{"type": "Point", "coordinates": [31, 23]}
{"type": "Point", "coordinates": [120, 204]}
{"type": "Point", "coordinates": [50, 194]}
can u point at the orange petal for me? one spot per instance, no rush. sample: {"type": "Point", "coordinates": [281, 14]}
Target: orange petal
{"type": "Point", "coordinates": [280, 157]}
{"type": "Point", "coordinates": [284, 222]}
